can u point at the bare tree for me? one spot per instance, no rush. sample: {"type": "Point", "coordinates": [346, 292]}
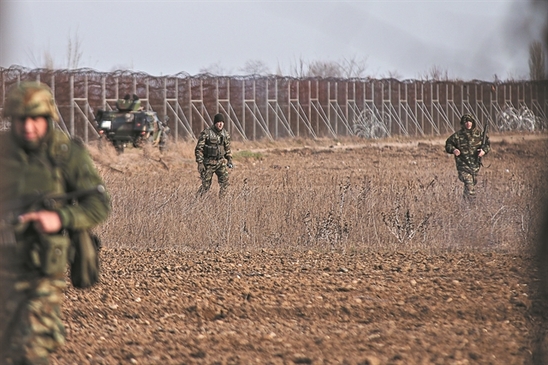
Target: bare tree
{"type": "Point", "coordinates": [435, 73]}
{"type": "Point", "coordinates": [353, 68]}
{"type": "Point", "coordinates": [298, 69]}
{"type": "Point", "coordinates": [514, 76]}
{"type": "Point", "coordinates": [279, 71]}
{"type": "Point", "coordinates": [49, 62]}
{"type": "Point", "coordinates": [324, 69]}
{"type": "Point", "coordinates": [347, 68]}
{"type": "Point", "coordinates": [215, 69]}
{"type": "Point", "coordinates": [44, 60]}
{"type": "Point", "coordinates": [393, 74]}
{"type": "Point", "coordinates": [255, 67]}
{"type": "Point", "coordinates": [74, 51]}
{"type": "Point", "coordinates": [439, 74]}
{"type": "Point", "coordinates": [537, 61]}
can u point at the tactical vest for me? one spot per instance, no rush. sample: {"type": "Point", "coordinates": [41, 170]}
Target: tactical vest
{"type": "Point", "coordinates": [214, 148]}
{"type": "Point", "coordinates": [26, 176]}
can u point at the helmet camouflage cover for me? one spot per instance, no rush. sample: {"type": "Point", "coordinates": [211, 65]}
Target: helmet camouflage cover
{"type": "Point", "coordinates": [30, 99]}
{"type": "Point", "coordinates": [465, 118]}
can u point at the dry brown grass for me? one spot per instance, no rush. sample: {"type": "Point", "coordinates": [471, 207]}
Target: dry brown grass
{"type": "Point", "coordinates": [325, 195]}
{"type": "Point", "coordinates": [354, 253]}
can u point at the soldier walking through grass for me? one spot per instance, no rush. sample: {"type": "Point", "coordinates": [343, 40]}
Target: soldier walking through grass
{"type": "Point", "coordinates": [38, 160]}
{"type": "Point", "coordinates": [468, 145]}
{"type": "Point", "coordinates": [213, 155]}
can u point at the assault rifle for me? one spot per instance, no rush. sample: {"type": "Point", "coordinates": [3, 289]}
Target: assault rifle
{"type": "Point", "coordinates": [11, 210]}
{"type": "Point", "coordinates": [483, 141]}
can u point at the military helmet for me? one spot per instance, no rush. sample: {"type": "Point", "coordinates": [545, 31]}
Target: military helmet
{"type": "Point", "coordinates": [30, 99]}
{"type": "Point", "coordinates": [465, 118]}
{"type": "Point", "coordinates": [218, 118]}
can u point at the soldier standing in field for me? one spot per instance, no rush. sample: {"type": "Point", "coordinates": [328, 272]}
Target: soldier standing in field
{"type": "Point", "coordinates": [213, 155]}
{"type": "Point", "coordinates": [159, 134]}
{"type": "Point", "coordinates": [36, 158]}
{"type": "Point", "coordinates": [468, 146]}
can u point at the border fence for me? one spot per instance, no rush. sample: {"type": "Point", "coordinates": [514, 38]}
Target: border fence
{"type": "Point", "coordinates": [274, 107]}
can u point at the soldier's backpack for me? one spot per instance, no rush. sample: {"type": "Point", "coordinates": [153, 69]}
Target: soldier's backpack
{"type": "Point", "coordinates": [85, 266]}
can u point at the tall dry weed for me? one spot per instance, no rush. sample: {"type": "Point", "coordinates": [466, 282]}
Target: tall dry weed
{"type": "Point", "coordinates": [296, 198]}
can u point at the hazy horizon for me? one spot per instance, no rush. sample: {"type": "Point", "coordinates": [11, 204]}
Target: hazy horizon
{"type": "Point", "coordinates": [404, 39]}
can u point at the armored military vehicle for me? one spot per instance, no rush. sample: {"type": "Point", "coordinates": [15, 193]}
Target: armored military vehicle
{"type": "Point", "coordinates": [130, 124]}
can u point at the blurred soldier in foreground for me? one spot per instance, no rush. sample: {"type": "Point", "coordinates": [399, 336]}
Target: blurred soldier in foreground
{"type": "Point", "coordinates": [213, 155]}
{"type": "Point", "coordinates": [38, 160]}
{"type": "Point", "coordinates": [468, 145]}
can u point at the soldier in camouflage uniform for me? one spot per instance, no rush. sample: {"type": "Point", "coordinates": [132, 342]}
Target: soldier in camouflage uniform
{"type": "Point", "coordinates": [466, 145]}
{"type": "Point", "coordinates": [159, 134]}
{"type": "Point", "coordinates": [34, 245]}
{"type": "Point", "coordinates": [213, 155]}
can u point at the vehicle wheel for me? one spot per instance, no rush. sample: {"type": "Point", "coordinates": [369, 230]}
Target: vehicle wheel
{"type": "Point", "coordinates": [139, 142]}
{"type": "Point", "coordinates": [119, 146]}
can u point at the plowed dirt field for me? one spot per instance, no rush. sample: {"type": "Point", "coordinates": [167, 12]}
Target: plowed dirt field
{"type": "Point", "coordinates": [160, 306]}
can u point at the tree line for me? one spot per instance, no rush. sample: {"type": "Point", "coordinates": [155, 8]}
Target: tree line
{"type": "Point", "coordinates": [349, 68]}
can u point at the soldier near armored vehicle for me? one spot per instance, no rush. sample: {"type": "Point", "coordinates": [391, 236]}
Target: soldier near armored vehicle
{"type": "Point", "coordinates": [131, 124]}
{"type": "Point", "coordinates": [213, 155]}
{"type": "Point", "coordinates": [36, 159]}
{"type": "Point", "coordinates": [468, 145]}
{"type": "Point", "coordinates": [160, 132]}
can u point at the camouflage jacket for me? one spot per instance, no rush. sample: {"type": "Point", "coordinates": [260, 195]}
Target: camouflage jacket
{"type": "Point", "coordinates": [212, 146]}
{"type": "Point", "coordinates": [467, 142]}
{"type": "Point", "coordinates": [62, 165]}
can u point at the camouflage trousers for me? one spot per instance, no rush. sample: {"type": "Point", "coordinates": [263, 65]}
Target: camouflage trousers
{"type": "Point", "coordinates": [469, 179]}
{"type": "Point", "coordinates": [214, 167]}
{"type": "Point", "coordinates": [30, 312]}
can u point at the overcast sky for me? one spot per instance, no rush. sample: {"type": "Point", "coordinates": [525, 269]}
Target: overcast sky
{"type": "Point", "coordinates": [468, 39]}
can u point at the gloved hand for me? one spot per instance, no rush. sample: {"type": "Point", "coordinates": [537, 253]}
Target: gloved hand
{"type": "Point", "coordinates": [229, 164]}
{"type": "Point", "coordinates": [201, 167]}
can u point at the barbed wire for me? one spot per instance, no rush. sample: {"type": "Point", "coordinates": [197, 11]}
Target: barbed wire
{"type": "Point", "coordinates": [14, 71]}
{"type": "Point", "coordinates": [368, 125]}
{"type": "Point", "coordinates": [434, 106]}
{"type": "Point", "coordinates": [522, 119]}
